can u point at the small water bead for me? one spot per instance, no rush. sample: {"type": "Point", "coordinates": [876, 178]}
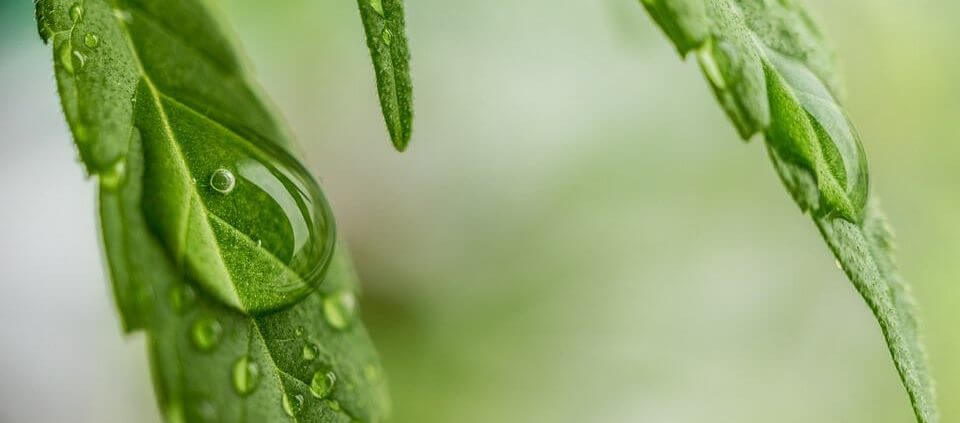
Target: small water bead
{"type": "Point", "coordinates": [206, 333]}
{"type": "Point", "coordinates": [123, 15]}
{"type": "Point", "coordinates": [91, 40]}
{"type": "Point", "coordinates": [309, 351]}
{"type": "Point", "coordinates": [81, 59]}
{"type": "Point", "coordinates": [332, 404]}
{"type": "Point", "coordinates": [76, 12]}
{"type": "Point", "coordinates": [223, 181]}
{"type": "Point", "coordinates": [371, 372]}
{"type": "Point", "coordinates": [298, 331]}
{"type": "Point", "coordinates": [339, 309]}
{"type": "Point", "coordinates": [246, 376]}
{"type": "Point", "coordinates": [205, 412]}
{"type": "Point", "coordinates": [113, 177]}
{"type": "Point", "coordinates": [182, 297]}
{"type": "Point", "coordinates": [292, 404]}
{"type": "Point", "coordinates": [377, 6]}
{"type": "Point", "coordinates": [387, 36]}
{"type": "Point", "coordinates": [322, 383]}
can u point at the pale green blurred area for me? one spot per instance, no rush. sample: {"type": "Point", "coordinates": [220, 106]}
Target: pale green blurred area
{"type": "Point", "coordinates": [575, 234]}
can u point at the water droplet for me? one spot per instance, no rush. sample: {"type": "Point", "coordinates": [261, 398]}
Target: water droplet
{"type": "Point", "coordinates": [339, 309]}
{"type": "Point", "coordinates": [322, 383]}
{"type": "Point", "coordinates": [827, 145]}
{"type": "Point", "coordinates": [223, 181]}
{"type": "Point", "coordinates": [266, 215]}
{"type": "Point", "coordinates": [292, 404]}
{"type": "Point", "coordinates": [371, 372]}
{"type": "Point", "coordinates": [332, 404]}
{"type": "Point", "coordinates": [310, 351]}
{"type": "Point", "coordinates": [113, 176]}
{"type": "Point", "coordinates": [65, 55]}
{"type": "Point", "coordinates": [76, 12]}
{"type": "Point", "coordinates": [204, 411]}
{"type": "Point", "coordinates": [387, 36]}
{"type": "Point", "coordinates": [246, 376]}
{"type": "Point", "coordinates": [123, 15]}
{"type": "Point", "coordinates": [81, 59]}
{"type": "Point", "coordinates": [377, 6]}
{"type": "Point", "coordinates": [182, 297]}
{"type": "Point", "coordinates": [298, 331]}
{"type": "Point", "coordinates": [91, 40]}
{"type": "Point", "coordinates": [206, 333]}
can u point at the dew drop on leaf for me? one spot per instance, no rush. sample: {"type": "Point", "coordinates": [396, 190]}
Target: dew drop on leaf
{"type": "Point", "coordinates": [182, 297]}
{"type": "Point", "coordinates": [91, 40]}
{"type": "Point", "coordinates": [387, 36]}
{"type": "Point", "coordinates": [298, 331]}
{"type": "Point", "coordinates": [246, 376]}
{"type": "Point", "coordinates": [309, 351]}
{"type": "Point", "coordinates": [206, 333]}
{"type": "Point", "coordinates": [123, 15]}
{"type": "Point", "coordinates": [322, 383]}
{"type": "Point", "coordinates": [113, 176]}
{"type": "Point", "coordinates": [377, 5]}
{"type": "Point", "coordinates": [371, 372]}
{"type": "Point", "coordinates": [264, 231]}
{"type": "Point", "coordinates": [292, 404]}
{"type": "Point", "coordinates": [339, 309]}
{"type": "Point", "coordinates": [76, 12]}
{"type": "Point", "coordinates": [223, 181]}
{"type": "Point", "coordinates": [81, 59]}
{"type": "Point", "coordinates": [205, 412]}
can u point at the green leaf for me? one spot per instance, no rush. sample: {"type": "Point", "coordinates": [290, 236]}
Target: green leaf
{"type": "Point", "coordinates": [384, 25]}
{"type": "Point", "coordinates": [768, 65]}
{"type": "Point", "coordinates": [220, 244]}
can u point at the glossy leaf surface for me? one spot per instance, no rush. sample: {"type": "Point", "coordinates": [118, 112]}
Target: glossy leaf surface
{"type": "Point", "coordinates": [773, 74]}
{"type": "Point", "coordinates": [384, 24]}
{"type": "Point", "coordinates": [220, 244]}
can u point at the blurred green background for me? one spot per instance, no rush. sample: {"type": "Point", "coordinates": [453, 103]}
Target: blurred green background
{"type": "Point", "coordinates": [575, 235]}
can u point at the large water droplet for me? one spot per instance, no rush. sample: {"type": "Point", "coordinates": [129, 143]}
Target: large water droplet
{"type": "Point", "coordinates": [223, 181]}
{"type": "Point", "coordinates": [309, 351]}
{"type": "Point", "coordinates": [262, 234]}
{"type": "Point", "coordinates": [91, 40]}
{"type": "Point", "coordinates": [76, 12]}
{"type": "Point", "coordinates": [292, 404]}
{"type": "Point", "coordinates": [246, 376]}
{"type": "Point", "coordinates": [339, 309]}
{"type": "Point", "coordinates": [322, 383]}
{"type": "Point", "coordinates": [206, 333]}
{"type": "Point", "coordinates": [377, 6]}
{"type": "Point", "coordinates": [834, 153]}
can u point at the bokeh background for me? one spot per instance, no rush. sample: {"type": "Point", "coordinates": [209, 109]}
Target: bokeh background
{"type": "Point", "coordinates": [575, 235]}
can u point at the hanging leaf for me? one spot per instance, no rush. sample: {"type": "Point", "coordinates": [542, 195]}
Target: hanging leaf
{"type": "Point", "coordinates": [769, 67]}
{"type": "Point", "coordinates": [383, 22]}
{"type": "Point", "coordinates": [220, 243]}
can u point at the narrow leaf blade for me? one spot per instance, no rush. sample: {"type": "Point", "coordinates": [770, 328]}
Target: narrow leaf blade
{"type": "Point", "coordinates": [383, 22]}
{"type": "Point", "coordinates": [771, 71]}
